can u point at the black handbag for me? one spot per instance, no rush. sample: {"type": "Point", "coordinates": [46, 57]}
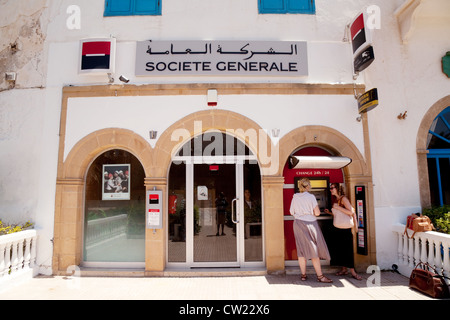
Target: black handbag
{"type": "Point", "coordinates": [424, 278]}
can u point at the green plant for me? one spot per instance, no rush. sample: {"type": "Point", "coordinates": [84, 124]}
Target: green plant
{"type": "Point", "coordinates": [440, 217]}
{"type": "Point", "coordinates": [443, 223]}
{"type": "Point", "coordinates": [8, 229]}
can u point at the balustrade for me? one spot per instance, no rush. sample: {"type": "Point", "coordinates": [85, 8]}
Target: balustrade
{"type": "Point", "coordinates": [431, 247]}
{"type": "Point", "coordinates": [105, 229]}
{"type": "Point", "coordinates": [17, 253]}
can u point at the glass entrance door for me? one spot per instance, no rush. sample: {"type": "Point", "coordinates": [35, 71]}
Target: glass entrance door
{"type": "Point", "coordinates": [215, 217]}
{"type": "Point", "coordinates": [215, 213]}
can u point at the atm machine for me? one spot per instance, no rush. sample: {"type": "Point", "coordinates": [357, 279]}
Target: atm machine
{"type": "Point", "coordinates": [320, 188]}
{"type": "Point", "coordinates": [321, 171]}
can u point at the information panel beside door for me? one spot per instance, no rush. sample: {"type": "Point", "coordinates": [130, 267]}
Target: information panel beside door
{"type": "Point", "coordinates": [154, 209]}
{"type": "Point", "coordinates": [360, 201]}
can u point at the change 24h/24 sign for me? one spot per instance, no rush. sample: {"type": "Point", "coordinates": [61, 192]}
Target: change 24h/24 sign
{"type": "Point", "coordinates": [217, 58]}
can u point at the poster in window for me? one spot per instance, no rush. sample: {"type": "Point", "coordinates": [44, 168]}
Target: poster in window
{"type": "Point", "coordinates": [116, 182]}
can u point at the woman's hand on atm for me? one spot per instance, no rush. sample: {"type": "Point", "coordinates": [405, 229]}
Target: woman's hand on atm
{"type": "Point", "coordinates": [327, 211]}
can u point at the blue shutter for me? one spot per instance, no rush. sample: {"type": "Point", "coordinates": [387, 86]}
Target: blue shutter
{"type": "Point", "coordinates": [272, 6]}
{"type": "Point", "coordinates": [132, 7]}
{"type": "Point", "coordinates": [147, 7]}
{"type": "Point", "coordinates": [301, 6]}
{"type": "Point", "coordinates": [118, 8]}
{"type": "Point", "coordinates": [287, 6]}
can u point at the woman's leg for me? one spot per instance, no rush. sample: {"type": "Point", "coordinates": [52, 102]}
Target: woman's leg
{"type": "Point", "coordinates": [318, 268]}
{"type": "Point", "coordinates": [302, 264]}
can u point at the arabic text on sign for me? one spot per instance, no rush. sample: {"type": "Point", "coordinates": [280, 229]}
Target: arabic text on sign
{"type": "Point", "coordinates": [221, 58]}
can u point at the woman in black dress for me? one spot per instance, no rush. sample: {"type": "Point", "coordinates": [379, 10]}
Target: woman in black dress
{"type": "Point", "coordinates": [342, 252]}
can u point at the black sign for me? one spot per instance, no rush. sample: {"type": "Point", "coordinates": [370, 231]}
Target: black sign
{"type": "Point", "coordinates": [364, 59]}
{"type": "Point", "coordinates": [368, 100]}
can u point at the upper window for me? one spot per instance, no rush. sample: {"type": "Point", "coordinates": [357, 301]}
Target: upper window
{"type": "Point", "coordinates": [438, 146]}
{"type": "Point", "coordinates": [439, 133]}
{"type": "Point", "coordinates": [132, 7]}
{"type": "Point", "coordinates": [287, 6]}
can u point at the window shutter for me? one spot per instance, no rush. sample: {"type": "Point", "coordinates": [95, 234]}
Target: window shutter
{"type": "Point", "coordinates": [287, 6]}
{"type": "Point", "coordinates": [132, 7]}
{"type": "Point", "coordinates": [118, 8]}
{"type": "Point", "coordinates": [272, 6]}
{"type": "Point", "coordinates": [301, 6]}
{"type": "Point", "coordinates": [147, 7]}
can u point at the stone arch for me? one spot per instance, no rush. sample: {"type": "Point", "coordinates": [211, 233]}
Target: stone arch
{"type": "Point", "coordinates": [88, 148]}
{"type": "Point", "coordinates": [358, 172]}
{"type": "Point", "coordinates": [196, 123]}
{"type": "Point", "coordinates": [421, 149]}
{"type": "Point", "coordinates": [328, 138]}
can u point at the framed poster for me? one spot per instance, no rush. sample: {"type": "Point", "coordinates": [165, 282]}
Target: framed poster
{"type": "Point", "coordinates": [116, 182]}
{"type": "Point", "coordinates": [202, 193]}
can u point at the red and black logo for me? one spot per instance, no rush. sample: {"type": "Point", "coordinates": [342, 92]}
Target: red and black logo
{"type": "Point", "coordinates": [153, 199]}
{"type": "Point", "coordinates": [358, 33]}
{"type": "Point", "coordinates": [96, 55]}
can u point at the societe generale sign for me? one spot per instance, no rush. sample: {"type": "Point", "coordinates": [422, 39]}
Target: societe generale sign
{"type": "Point", "coordinates": [217, 58]}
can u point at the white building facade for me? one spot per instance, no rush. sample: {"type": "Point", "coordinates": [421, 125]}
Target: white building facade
{"type": "Point", "coordinates": [125, 167]}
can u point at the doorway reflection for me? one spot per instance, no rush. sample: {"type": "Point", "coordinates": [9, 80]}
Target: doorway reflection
{"type": "Point", "coordinates": [214, 229]}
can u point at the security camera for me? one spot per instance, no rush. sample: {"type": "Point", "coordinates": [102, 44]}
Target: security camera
{"type": "Point", "coordinates": [124, 79]}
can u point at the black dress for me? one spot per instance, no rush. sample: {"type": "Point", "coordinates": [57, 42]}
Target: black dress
{"type": "Point", "coordinates": [342, 252]}
{"type": "Point", "coordinates": [342, 248]}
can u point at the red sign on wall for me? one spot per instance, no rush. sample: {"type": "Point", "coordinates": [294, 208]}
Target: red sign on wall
{"type": "Point", "coordinates": [361, 38]}
{"type": "Point", "coordinates": [97, 55]}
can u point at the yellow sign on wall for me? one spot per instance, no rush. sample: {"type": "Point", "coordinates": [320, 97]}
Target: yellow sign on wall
{"type": "Point", "coordinates": [368, 100]}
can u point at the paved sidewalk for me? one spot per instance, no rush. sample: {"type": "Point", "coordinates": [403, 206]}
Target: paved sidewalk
{"type": "Point", "coordinates": [392, 286]}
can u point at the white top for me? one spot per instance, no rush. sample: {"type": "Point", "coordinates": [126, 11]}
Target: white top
{"type": "Point", "coordinates": [302, 206]}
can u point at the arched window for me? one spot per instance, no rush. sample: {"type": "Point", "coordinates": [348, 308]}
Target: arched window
{"type": "Point", "coordinates": [114, 223]}
{"type": "Point", "coordinates": [438, 146]}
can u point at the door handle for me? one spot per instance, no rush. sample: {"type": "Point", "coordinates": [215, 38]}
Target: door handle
{"type": "Point", "coordinates": [233, 218]}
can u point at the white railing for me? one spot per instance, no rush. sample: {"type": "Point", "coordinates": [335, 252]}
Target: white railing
{"type": "Point", "coordinates": [17, 253]}
{"type": "Point", "coordinates": [432, 247]}
{"type": "Point", "coordinates": [104, 229]}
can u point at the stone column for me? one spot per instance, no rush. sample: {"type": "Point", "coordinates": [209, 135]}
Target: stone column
{"type": "Point", "coordinates": [274, 223]}
{"type": "Point", "coordinates": [67, 243]}
{"type": "Point", "coordinates": [155, 240]}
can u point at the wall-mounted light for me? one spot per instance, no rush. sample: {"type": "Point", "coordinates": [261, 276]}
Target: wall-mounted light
{"type": "Point", "coordinates": [10, 76]}
{"type": "Point", "coordinates": [212, 98]}
{"type": "Point", "coordinates": [275, 132]}
{"type": "Point", "coordinates": [153, 134]}
{"type": "Point", "coordinates": [124, 79]}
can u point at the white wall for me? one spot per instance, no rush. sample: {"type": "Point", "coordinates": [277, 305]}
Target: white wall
{"type": "Point", "coordinates": [141, 114]}
{"type": "Point", "coordinates": [408, 77]}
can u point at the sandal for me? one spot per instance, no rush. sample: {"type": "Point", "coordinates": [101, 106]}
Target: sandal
{"type": "Point", "coordinates": [323, 279]}
{"type": "Point", "coordinates": [303, 277]}
{"type": "Point", "coordinates": [342, 273]}
{"type": "Point", "coordinates": [357, 277]}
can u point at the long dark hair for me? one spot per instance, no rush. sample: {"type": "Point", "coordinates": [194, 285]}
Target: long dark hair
{"type": "Point", "coordinates": [340, 191]}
